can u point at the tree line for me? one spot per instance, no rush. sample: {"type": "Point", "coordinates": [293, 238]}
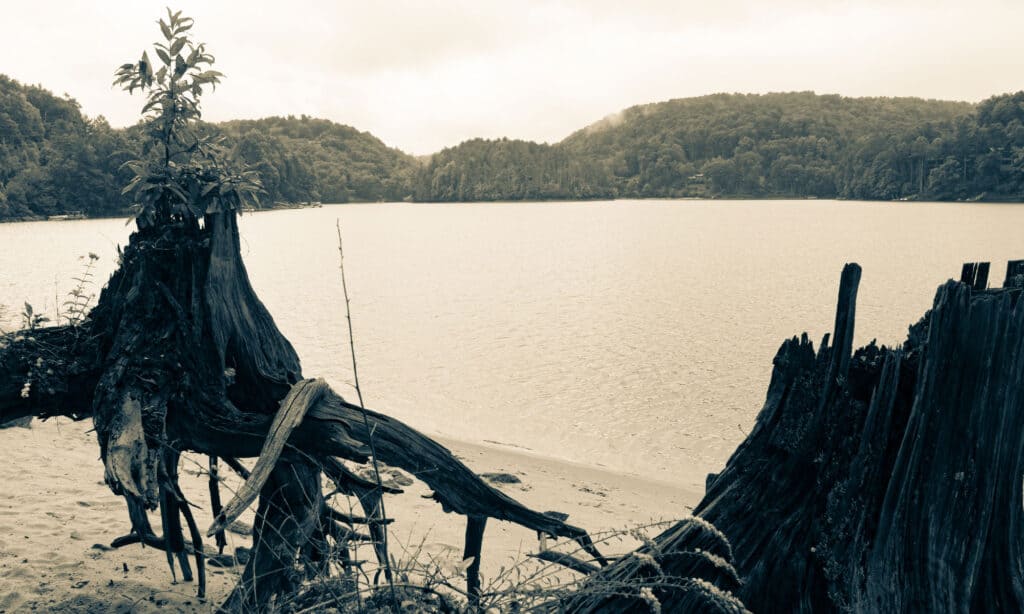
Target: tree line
{"type": "Point", "coordinates": [756, 146]}
{"type": "Point", "coordinates": [54, 159]}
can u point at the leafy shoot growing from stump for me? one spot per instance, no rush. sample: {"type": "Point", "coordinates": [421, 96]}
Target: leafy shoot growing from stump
{"type": "Point", "coordinates": [184, 173]}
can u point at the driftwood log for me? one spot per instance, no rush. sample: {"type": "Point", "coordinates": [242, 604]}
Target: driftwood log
{"type": "Point", "coordinates": [887, 479]}
{"type": "Point", "coordinates": [178, 355]}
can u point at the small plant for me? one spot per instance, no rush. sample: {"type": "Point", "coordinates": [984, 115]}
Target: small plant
{"type": "Point", "coordinates": [184, 174]}
{"type": "Point", "coordinates": [30, 320]}
{"type": "Point", "coordinates": [77, 305]}
{"type": "Point", "coordinates": [380, 513]}
{"type": "Point", "coordinates": [430, 582]}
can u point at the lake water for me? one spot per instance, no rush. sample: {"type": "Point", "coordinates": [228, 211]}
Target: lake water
{"type": "Point", "coordinates": [637, 335]}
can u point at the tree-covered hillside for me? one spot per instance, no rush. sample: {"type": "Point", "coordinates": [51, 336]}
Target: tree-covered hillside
{"type": "Point", "coordinates": [54, 160]}
{"type": "Point", "coordinates": [304, 158]}
{"type": "Point", "coordinates": [794, 144]}
{"type": "Point", "coordinates": [487, 170]}
{"type": "Point", "coordinates": [773, 145]}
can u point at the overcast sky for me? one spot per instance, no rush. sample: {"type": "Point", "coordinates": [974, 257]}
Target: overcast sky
{"type": "Point", "coordinates": [429, 74]}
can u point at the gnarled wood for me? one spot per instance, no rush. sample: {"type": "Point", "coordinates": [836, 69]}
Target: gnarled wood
{"type": "Point", "coordinates": [130, 466]}
{"type": "Point", "coordinates": [457, 488]}
{"type": "Point", "coordinates": [896, 487]}
{"type": "Point", "coordinates": [293, 408]}
{"type": "Point", "coordinates": [288, 513]}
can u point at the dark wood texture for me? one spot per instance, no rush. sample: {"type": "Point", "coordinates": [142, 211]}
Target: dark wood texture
{"type": "Point", "coordinates": [888, 480]}
{"type": "Point", "coordinates": [475, 526]}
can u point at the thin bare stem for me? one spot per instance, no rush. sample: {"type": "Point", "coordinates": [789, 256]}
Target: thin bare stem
{"type": "Point", "coordinates": [366, 423]}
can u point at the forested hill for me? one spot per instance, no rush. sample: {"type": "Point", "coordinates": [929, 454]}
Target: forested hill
{"type": "Point", "coordinates": [510, 170]}
{"type": "Point", "coordinates": [52, 159]}
{"type": "Point", "coordinates": [302, 159]}
{"type": "Point", "coordinates": [792, 144]}
{"type": "Point", "coordinates": [772, 145]}
{"type": "Point", "coordinates": [55, 160]}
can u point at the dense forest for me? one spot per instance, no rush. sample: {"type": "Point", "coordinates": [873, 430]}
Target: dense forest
{"type": "Point", "coordinates": [303, 159]}
{"type": "Point", "coordinates": [486, 170]}
{"type": "Point", "coordinates": [756, 146]}
{"type": "Point", "coordinates": [53, 159]}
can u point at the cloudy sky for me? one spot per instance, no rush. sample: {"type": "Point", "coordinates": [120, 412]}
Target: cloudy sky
{"type": "Point", "coordinates": [425, 74]}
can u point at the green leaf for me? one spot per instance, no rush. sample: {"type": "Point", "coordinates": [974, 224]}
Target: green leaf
{"type": "Point", "coordinates": [146, 69]}
{"type": "Point", "coordinates": [180, 67]}
{"type": "Point", "coordinates": [177, 191]}
{"type": "Point", "coordinates": [166, 30]}
{"type": "Point", "coordinates": [134, 183]}
{"type": "Point", "coordinates": [178, 45]}
{"type": "Point", "coordinates": [166, 59]}
{"type": "Point", "coordinates": [134, 166]}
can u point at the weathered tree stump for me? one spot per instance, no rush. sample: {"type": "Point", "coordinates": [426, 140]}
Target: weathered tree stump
{"type": "Point", "coordinates": [891, 481]}
{"type": "Point", "coordinates": [179, 354]}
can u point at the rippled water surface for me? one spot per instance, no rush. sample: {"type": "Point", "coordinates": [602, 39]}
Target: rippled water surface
{"type": "Point", "coordinates": [635, 335]}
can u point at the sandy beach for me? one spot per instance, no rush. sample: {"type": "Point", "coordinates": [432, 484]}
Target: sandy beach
{"type": "Point", "coordinates": [57, 519]}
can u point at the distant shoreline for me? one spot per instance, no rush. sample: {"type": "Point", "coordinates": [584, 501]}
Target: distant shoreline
{"type": "Point", "coordinates": [992, 201]}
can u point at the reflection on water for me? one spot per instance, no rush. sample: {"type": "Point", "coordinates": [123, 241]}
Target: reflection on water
{"type": "Point", "coordinates": [636, 335]}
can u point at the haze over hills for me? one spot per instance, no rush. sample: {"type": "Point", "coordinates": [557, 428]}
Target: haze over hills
{"type": "Point", "coordinates": [53, 159]}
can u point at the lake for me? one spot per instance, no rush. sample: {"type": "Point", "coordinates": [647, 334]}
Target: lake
{"type": "Point", "coordinates": [635, 335]}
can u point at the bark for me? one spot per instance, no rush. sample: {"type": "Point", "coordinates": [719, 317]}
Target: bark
{"type": "Point", "coordinates": [286, 517]}
{"type": "Point", "coordinates": [893, 482]}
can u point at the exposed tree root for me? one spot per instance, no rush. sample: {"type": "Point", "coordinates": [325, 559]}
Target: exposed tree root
{"type": "Point", "coordinates": [179, 354]}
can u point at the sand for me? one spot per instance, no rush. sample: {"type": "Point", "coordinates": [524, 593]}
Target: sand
{"type": "Point", "coordinates": [57, 518]}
